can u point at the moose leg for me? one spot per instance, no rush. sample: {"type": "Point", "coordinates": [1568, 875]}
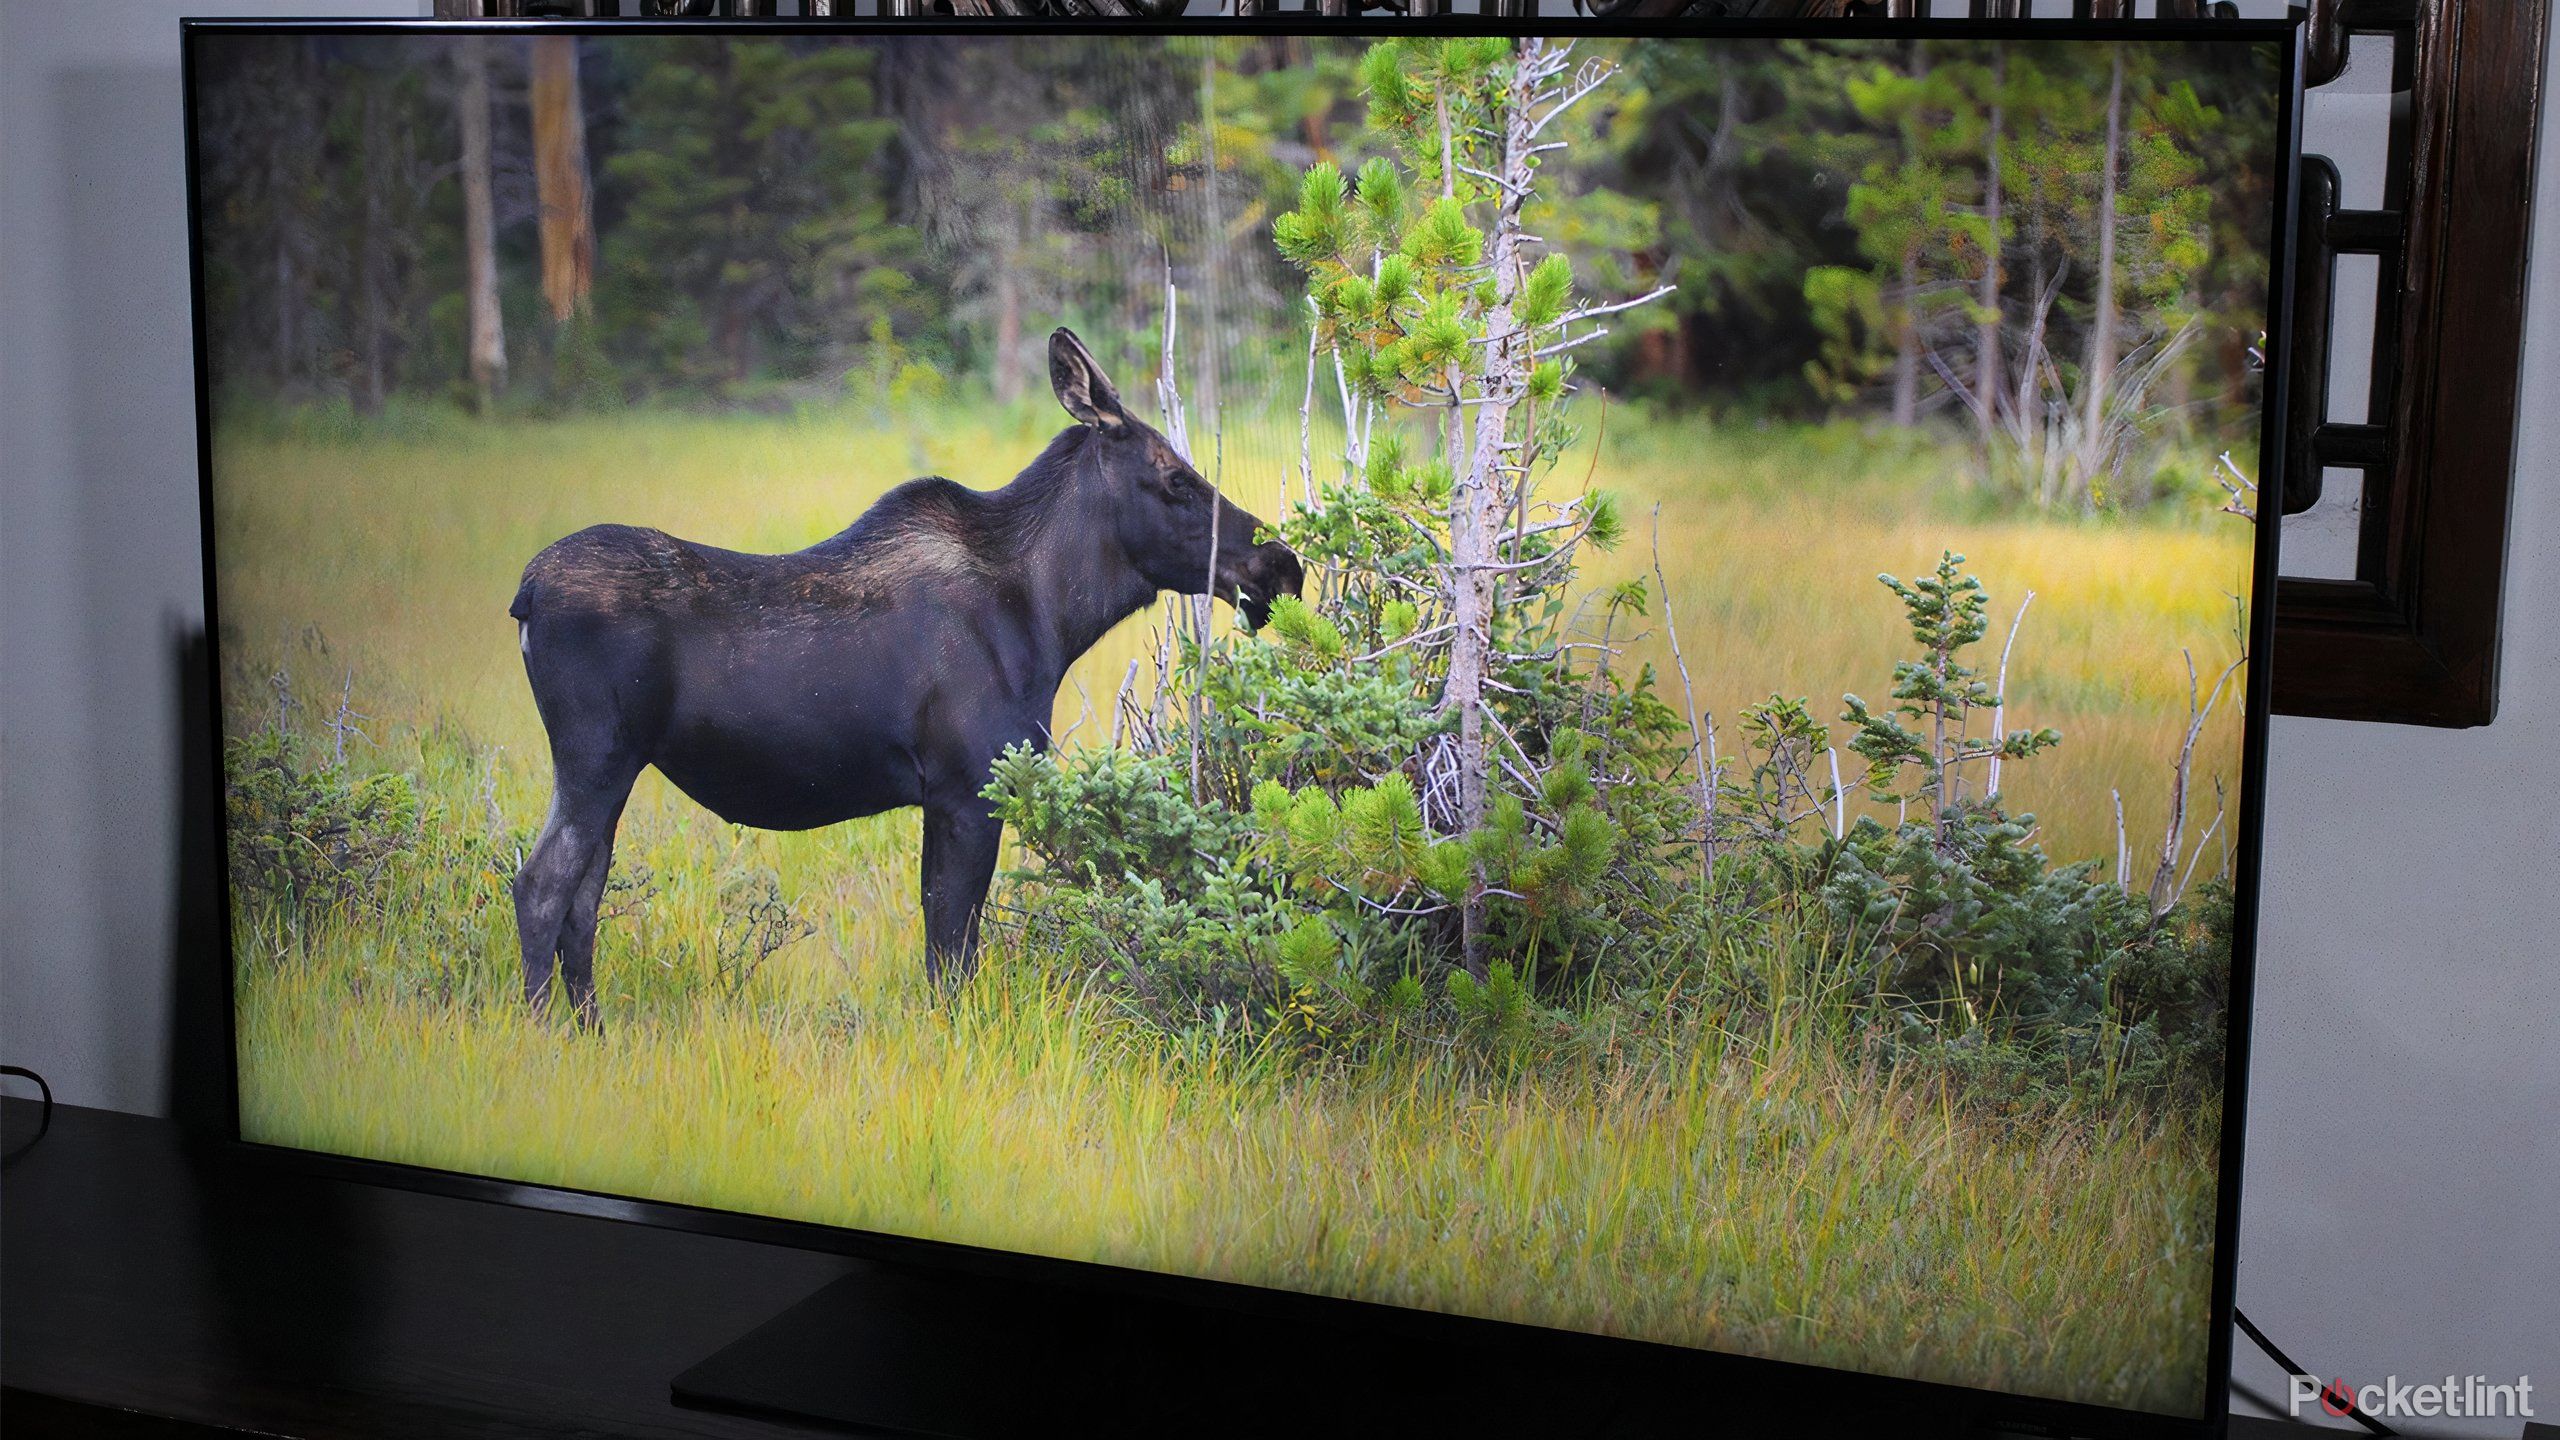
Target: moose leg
{"type": "Point", "coordinates": [578, 934]}
{"type": "Point", "coordinates": [960, 842]}
{"type": "Point", "coordinates": [538, 914]}
{"type": "Point", "coordinates": [567, 864]}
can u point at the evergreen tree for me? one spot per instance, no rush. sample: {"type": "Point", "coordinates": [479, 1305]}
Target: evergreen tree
{"type": "Point", "coordinates": [1940, 693]}
{"type": "Point", "coordinates": [754, 226]}
{"type": "Point", "coordinates": [2105, 169]}
{"type": "Point", "coordinates": [1729, 139]}
{"type": "Point", "coordinates": [1927, 230]}
{"type": "Point", "coordinates": [1911, 208]}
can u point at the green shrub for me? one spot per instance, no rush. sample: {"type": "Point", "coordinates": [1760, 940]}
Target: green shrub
{"type": "Point", "coordinates": [304, 838]}
{"type": "Point", "coordinates": [1977, 953]}
{"type": "Point", "coordinates": [1304, 900]}
{"type": "Point", "coordinates": [1100, 816]}
{"type": "Point", "coordinates": [756, 922]}
{"type": "Point", "coordinates": [1430, 801]}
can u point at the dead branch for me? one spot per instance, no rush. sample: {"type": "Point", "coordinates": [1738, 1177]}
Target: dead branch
{"type": "Point", "coordinates": [2242, 490]}
{"type": "Point", "coordinates": [1594, 312]}
{"type": "Point", "coordinates": [1689, 707]}
{"type": "Point", "coordinates": [1593, 75]}
{"type": "Point", "coordinates": [2124, 853]}
{"type": "Point", "coordinates": [2000, 709]}
{"type": "Point", "coordinates": [1306, 425]}
{"type": "Point", "coordinates": [1120, 700]}
{"type": "Point", "coordinates": [2173, 839]}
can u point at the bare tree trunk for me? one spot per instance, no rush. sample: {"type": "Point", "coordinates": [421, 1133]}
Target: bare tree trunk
{"type": "Point", "coordinates": [1906, 340]}
{"type": "Point", "coordinates": [288, 296]}
{"type": "Point", "coordinates": [1477, 507]}
{"type": "Point", "coordinates": [1008, 359]}
{"type": "Point", "coordinates": [2031, 355]}
{"type": "Point", "coordinates": [560, 177]}
{"type": "Point", "coordinates": [1906, 345]}
{"type": "Point", "coordinates": [287, 142]}
{"type": "Point", "coordinates": [288, 309]}
{"type": "Point", "coordinates": [488, 337]}
{"type": "Point", "coordinates": [1986, 381]}
{"type": "Point", "coordinates": [373, 249]}
{"type": "Point", "coordinates": [1213, 230]}
{"type": "Point", "coordinates": [2102, 326]}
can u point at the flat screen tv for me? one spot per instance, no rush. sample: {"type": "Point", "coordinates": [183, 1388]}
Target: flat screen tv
{"type": "Point", "coordinates": [1597, 678]}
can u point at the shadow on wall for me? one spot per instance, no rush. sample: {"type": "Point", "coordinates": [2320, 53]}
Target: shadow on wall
{"type": "Point", "coordinates": [111, 553]}
{"type": "Point", "coordinates": [199, 1038]}
{"type": "Point", "coordinates": [262, 1224]}
{"type": "Point", "coordinates": [126, 940]}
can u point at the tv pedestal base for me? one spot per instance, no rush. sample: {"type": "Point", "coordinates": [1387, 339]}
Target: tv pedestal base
{"type": "Point", "coordinates": [161, 1289]}
{"type": "Point", "coordinates": [938, 1353]}
{"type": "Point", "coordinates": [890, 1349]}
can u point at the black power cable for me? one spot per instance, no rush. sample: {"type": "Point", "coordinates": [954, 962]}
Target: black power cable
{"type": "Point", "coordinates": [44, 1117]}
{"type": "Point", "coordinates": [2331, 1396]}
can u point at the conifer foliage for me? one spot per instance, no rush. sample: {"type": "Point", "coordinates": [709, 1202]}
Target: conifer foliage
{"type": "Point", "coordinates": [1433, 800]}
{"type": "Point", "coordinates": [1446, 798]}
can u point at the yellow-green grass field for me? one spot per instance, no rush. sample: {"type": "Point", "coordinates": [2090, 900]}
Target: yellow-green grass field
{"type": "Point", "coordinates": [1723, 1181]}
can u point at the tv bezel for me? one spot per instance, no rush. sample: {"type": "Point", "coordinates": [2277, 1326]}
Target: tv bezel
{"type": "Point", "coordinates": [1811, 1392]}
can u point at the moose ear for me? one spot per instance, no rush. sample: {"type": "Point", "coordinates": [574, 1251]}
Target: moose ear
{"type": "Point", "coordinates": [1077, 377]}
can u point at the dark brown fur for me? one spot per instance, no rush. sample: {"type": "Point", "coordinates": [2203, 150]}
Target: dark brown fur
{"type": "Point", "coordinates": [886, 665]}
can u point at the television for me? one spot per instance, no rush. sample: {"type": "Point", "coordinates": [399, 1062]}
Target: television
{"type": "Point", "coordinates": [1579, 685]}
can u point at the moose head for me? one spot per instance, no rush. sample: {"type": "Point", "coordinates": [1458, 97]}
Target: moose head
{"type": "Point", "coordinates": [1168, 516]}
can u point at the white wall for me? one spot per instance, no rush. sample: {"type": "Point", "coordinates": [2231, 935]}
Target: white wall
{"type": "Point", "coordinates": [2403, 1179]}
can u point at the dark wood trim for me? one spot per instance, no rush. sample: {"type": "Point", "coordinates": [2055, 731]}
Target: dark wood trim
{"type": "Point", "coordinates": [2414, 638]}
{"type": "Point", "coordinates": [2311, 316]}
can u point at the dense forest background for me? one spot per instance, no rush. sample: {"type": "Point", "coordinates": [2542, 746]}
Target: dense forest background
{"type": "Point", "coordinates": [2053, 251]}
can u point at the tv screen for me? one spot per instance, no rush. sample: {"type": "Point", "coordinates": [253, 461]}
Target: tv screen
{"type": "Point", "coordinates": [1597, 680]}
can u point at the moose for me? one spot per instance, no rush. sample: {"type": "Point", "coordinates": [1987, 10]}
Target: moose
{"type": "Point", "coordinates": [885, 666]}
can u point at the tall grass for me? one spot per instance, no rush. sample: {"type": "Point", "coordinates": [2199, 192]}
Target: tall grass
{"type": "Point", "coordinates": [1735, 1179]}
{"type": "Point", "coordinates": [1744, 1191]}
{"type": "Point", "coordinates": [405, 550]}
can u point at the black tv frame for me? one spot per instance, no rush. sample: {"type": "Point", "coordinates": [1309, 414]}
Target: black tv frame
{"type": "Point", "coordinates": [1727, 1387]}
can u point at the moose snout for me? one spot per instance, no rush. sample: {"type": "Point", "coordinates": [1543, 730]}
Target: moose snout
{"type": "Point", "coordinates": [1267, 572]}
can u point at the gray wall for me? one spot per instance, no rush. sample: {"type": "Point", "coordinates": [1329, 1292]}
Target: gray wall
{"type": "Point", "coordinates": [2404, 1115]}
{"type": "Point", "coordinates": [99, 570]}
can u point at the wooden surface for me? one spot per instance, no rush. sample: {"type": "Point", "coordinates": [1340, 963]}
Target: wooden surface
{"type": "Point", "coordinates": [2414, 637]}
{"type": "Point", "coordinates": [153, 1290]}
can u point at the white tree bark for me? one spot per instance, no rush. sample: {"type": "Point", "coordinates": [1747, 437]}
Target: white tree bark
{"type": "Point", "coordinates": [1482, 496]}
{"type": "Point", "coordinates": [487, 353]}
{"type": "Point", "coordinates": [2102, 326]}
{"type": "Point", "coordinates": [1986, 379]}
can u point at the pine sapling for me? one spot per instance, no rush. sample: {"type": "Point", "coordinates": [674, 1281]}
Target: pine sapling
{"type": "Point", "coordinates": [1939, 693]}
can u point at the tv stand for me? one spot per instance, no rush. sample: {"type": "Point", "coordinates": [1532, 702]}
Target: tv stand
{"type": "Point", "coordinates": [151, 1281]}
{"type": "Point", "coordinates": [930, 1352]}
{"type": "Point", "coordinates": [934, 1353]}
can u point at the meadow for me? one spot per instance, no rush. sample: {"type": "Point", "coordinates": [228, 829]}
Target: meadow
{"type": "Point", "coordinates": [1739, 1181]}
